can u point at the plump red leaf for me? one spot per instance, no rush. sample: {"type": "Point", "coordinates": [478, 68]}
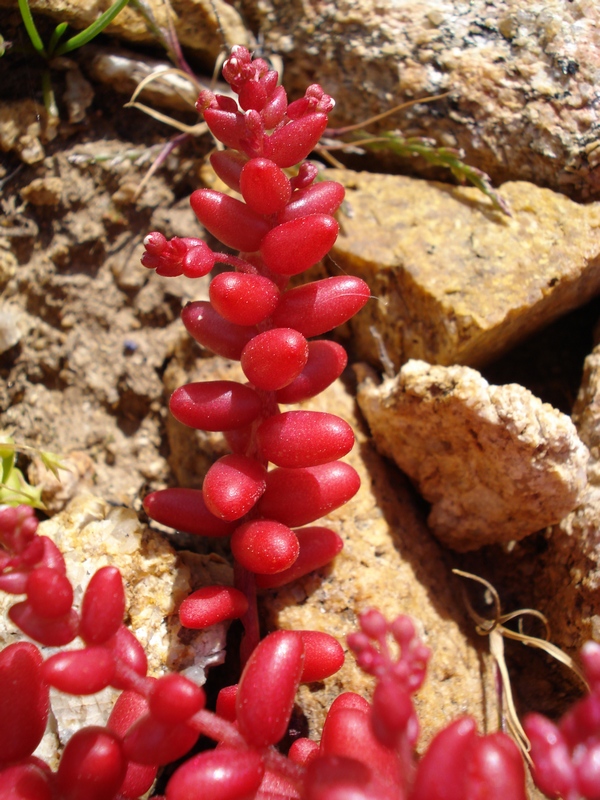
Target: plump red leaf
{"type": "Point", "coordinates": [321, 198]}
{"type": "Point", "coordinates": [230, 220]}
{"type": "Point", "coordinates": [103, 606]}
{"type": "Point", "coordinates": [81, 672]}
{"type": "Point", "coordinates": [215, 405]}
{"type": "Point", "coordinates": [292, 143]}
{"type": "Point", "coordinates": [212, 331]}
{"type": "Point", "coordinates": [185, 510]}
{"type": "Point", "coordinates": [293, 247]}
{"type": "Point", "coordinates": [265, 546]}
{"type": "Point", "coordinates": [50, 632]}
{"type": "Point", "coordinates": [224, 773]}
{"type": "Point", "coordinates": [233, 485]}
{"type": "Point", "coordinates": [304, 438]}
{"type": "Point", "coordinates": [92, 766]}
{"type": "Point", "coordinates": [264, 186]}
{"type": "Point", "coordinates": [274, 358]}
{"type": "Point", "coordinates": [24, 702]}
{"type": "Point", "coordinates": [243, 299]}
{"type": "Point", "coordinates": [210, 605]}
{"type": "Point", "coordinates": [273, 671]}
{"type": "Point", "coordinates": [318, 546]}
{"type": "Point", "coordinates": [299, 496]}
{"type": "Point", "coordinates": [318, 307]}
{"type": "Point", "coordinates": [326, 362]}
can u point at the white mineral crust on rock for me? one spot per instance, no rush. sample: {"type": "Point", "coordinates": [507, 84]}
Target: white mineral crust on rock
{"type": "Point", "coordinates": [495, 462]}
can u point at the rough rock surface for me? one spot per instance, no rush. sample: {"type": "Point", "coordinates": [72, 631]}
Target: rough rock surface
{"type": "Point", "coordinates": [565, 575]}
{"type": "Point", "coordinates": [453, 280]}
{"type": "Point", "coordinates": [495, 462]}
{"type": "Point", "coordinates": [521, 75]}
{"type": "Point", "coordinates": [389, 561]}
{"type": "Point", "coordinates": [194, 20]}
{"type": "Point", "coordinates": [99, 327]}
{"type": "Point", "coordinates": [92, 534]}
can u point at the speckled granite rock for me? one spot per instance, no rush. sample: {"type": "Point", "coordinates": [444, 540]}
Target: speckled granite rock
{"type": "Point", "coordinates": [92, 534]}
{"type": "Point", "coordinates": [390, 561]}
{"type": "Point", "coordinates": [495, 462]}
{"type": "Point", "coordinates": [522, 75]}
{"type": "Point", "coordinates": [453, 280]}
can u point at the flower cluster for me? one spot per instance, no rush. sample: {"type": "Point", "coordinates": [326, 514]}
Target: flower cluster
{"type": "Point", "coordinates": [282, 226]}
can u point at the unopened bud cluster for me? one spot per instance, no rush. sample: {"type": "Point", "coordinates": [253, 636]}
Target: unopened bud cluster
{"type": "Point", "coordinates": [282, 225]}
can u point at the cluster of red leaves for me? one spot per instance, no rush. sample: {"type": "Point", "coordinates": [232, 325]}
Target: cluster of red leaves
{"type": "Point", "coordinates": [281, 227]}
{"type": "Point", "coordinates": [366, 751]}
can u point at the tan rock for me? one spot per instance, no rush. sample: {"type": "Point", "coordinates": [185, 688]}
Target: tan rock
{"type": "Point", "coordinates": [43, 191]}
{"type": "Point", "coordinates": [454, 281]}
{"type": "Point", "coordinates": [495, 462]}
{"type": "Point", "coordinates": [389, 561]}
{"type": "Point", "coordinates": [195, 21]}
{"type": "Point", "coordinates": [22, 129]}
{"type": "Point", "coordinates": [520, 74]}
{"type": "Point", "coordinates": [565, 576]}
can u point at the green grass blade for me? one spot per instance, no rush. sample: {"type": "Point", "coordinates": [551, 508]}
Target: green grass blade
{"type": "Point", "coordinates": [92, 30]}
{"type": "Point", "coordinates": [56, 36]}
{"type": "Point", "coordinates": [32, 31]}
